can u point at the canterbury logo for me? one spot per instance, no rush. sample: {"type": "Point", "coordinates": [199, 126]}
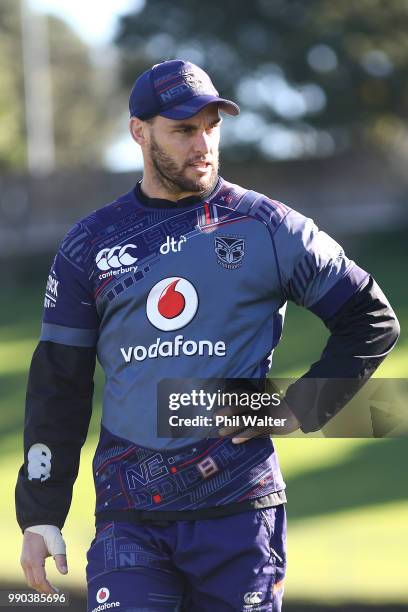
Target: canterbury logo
{"type": "Point", "coordinates": [253, 598]}
{"type": "Point", "coordinates": [116, 257]}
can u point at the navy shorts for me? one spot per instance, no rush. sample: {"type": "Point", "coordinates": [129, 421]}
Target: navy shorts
{"type": "Point", "coordinates": [231, 563]}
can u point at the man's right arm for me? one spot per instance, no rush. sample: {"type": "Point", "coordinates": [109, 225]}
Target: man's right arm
{"type": "Point", "coordinates": [58, 406]}
{"type": "Point", "coordinates": [58, 410]}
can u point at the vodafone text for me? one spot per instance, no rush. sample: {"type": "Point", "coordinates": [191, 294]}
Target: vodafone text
{"type": "Point", "coordinates": [174, 348]}
{"type": "Point", "coordinates": [106, 606]}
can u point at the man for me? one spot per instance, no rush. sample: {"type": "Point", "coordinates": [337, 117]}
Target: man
{"type": "Point", "coordinates": [186, 275]}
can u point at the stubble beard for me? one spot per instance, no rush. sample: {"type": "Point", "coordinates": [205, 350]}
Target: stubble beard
{"type": "Point", "coordinates": [173, 178]}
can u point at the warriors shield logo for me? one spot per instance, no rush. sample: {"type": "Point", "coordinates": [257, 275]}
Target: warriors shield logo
{"type": "Point", "coordinates": [230, 251]}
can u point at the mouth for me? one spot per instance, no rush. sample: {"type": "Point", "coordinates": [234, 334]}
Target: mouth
{"type": "Point", "coordinates": [201, 166]}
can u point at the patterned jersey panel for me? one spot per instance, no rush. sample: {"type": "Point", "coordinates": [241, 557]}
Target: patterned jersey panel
{"type": "Point", "coordinates": [70, 315]}
{"type": "Point", "coordinates": [70, 307]}
{"type": "Point", "coordinates": [212, 472]}
{"type": "Point", "coordinates": [314, 270]}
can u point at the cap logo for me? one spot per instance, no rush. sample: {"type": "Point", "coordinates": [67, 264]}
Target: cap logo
{"type": "Point", "coordinates": [198, 84]}
{"type": "Point", "coordinates": [173, 92]}
{"type": "Point", "coordinates": [178, 84]}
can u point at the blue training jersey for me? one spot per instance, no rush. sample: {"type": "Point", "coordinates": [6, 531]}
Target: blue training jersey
{"type": "Point", "coordinates": [198, 290]}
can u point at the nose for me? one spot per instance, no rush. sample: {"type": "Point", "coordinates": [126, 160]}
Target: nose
{"type": "Point", "coordinates": [202, 143]}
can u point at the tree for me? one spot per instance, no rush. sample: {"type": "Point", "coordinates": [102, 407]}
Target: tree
{"type": "Point", "coordinates": [333, 72]}
{"type": "Point", "coordinates": [79, 109]}
{"type": "Point", "coordinates": [84, 102]}
{"type": "Point", "coordinates": [12, 141]}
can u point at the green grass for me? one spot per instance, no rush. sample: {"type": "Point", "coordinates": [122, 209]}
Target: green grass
{"type": "Point", "coordinates": [348, 507]}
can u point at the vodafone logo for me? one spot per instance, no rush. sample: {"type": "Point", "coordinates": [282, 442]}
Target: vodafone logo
{"type": "Point", "coordinates": [116, 257]}
{"type": "Point", "coordinates": [172, 303]}
{"type": "Point", "coordinates": [102, 595]}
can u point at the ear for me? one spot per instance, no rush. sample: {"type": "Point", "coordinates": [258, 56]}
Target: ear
{"type": "Point", "coordinates": [137, 129]}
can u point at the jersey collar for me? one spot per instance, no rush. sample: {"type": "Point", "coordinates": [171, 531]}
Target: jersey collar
{"type": "Point", "coordinates": [169, 204]}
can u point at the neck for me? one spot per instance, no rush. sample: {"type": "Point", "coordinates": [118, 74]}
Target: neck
{"type": "Point", "coordinates": [153, 189]}
{"type": "Point", "coordinates": [156, 189]}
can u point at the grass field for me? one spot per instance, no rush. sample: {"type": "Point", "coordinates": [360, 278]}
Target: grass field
{"type": "Point", "coordinates": [348, 499]}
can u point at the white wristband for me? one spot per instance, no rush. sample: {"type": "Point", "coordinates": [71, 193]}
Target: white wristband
{"type": "Point", "coordinates": [52, 537]}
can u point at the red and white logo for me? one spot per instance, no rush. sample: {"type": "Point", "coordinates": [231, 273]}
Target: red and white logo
{"type": "Point", "coordinates": [171, 303]}
{"type": "Point", "coordinates": [102, 595]}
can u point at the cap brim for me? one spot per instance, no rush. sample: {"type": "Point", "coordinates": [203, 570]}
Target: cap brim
{"type": "Point", "coordinates": [194, 105]}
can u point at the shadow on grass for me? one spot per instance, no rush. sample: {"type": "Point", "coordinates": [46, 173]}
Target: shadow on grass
{"type": "Point", "coordinates": [372, 474]}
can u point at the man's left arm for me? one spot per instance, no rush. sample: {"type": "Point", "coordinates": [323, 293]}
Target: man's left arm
{"type": "Point", "coordinates": [362, 333]}
{"type": "Point", "coordinates": [317, 274]}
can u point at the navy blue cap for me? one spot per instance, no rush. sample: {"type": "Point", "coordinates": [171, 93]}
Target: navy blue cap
{"type": "Point", "coordinates": [175, 89]}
